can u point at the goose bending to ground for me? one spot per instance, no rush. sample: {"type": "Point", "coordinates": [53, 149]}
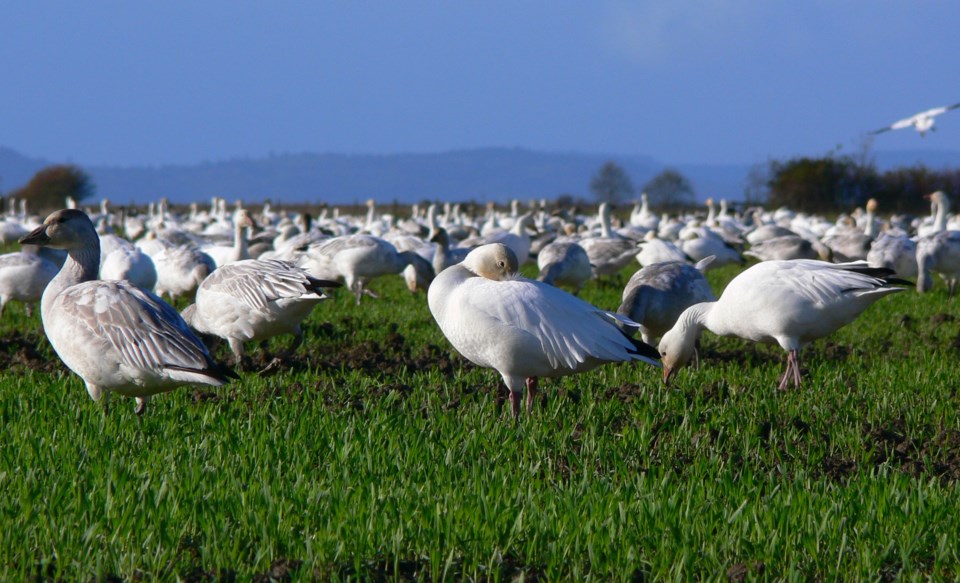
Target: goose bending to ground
{"type": "Point", "coordinates": [564, 263]}
{"type": "Point", "coordinates": [524, 329]}
{"type": "Point", "coordinates": [657, 294]}
{"type": "Point", "coordinates": [360, 258]}
{"type": "Point", "coordinates": [23, 276]}
{"type": "Point", "coordinates": [116, 337]}
{"type": "Point", "coordinates": [790, 303]}
{"type": "Point", "coordinates": [255, 299]}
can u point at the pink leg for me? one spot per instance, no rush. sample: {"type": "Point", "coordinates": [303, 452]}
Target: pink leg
{"type": "Point", "coordinates": [531, 393]}
{"type": "Point", "coordinates": [796, 367]}
{"type": "Point", "coordinates": [515, 404]}
{"type": "Point", "coordinates": [787, 373]}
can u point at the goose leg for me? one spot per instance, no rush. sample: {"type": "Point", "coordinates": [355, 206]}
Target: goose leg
{"type": "Point", "coordinates": [795, 354]}
{"type": "Point", "coordinates": [141, 406]}
{"type": "Point", "coordinates": [236, 347]}
{"type": "Point", "coordinates": [531, 393]}
{"type": "Point", "coordinates": [785, 378]}
{"type": "Point", "coordinates": [515, 398]}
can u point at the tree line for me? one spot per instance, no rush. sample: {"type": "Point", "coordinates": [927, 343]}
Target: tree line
{"type": "Point", "coordinates": [816, 185]}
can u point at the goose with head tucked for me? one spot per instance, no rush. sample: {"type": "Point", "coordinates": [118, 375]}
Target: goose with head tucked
{"type": "Point", "coordinates": [790, 303]}
{"type": "Point", "coordinates": [118, 338]}
{"type": "Point", "coordinates": [525, 329]}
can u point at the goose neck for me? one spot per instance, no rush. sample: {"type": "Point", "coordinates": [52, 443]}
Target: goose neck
{"type": "Point", "coordinates": [81, 265]}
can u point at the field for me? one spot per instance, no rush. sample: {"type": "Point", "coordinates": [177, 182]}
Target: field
{"type": "Point", "coordinates": [379, 453]}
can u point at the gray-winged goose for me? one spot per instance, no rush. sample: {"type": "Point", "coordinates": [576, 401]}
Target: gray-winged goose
{"type": "Point", "coordinates": [116, 337]}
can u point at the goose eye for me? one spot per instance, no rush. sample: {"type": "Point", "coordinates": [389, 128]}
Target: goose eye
{"type": "Point", "coordinates": [501, 264]}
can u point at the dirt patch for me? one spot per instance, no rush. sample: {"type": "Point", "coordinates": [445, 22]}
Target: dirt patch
{"type": "Point", "coordinates": [942, 318]}
{"type": "Point", "coordinates": [740, 571]}
{"type": "Point", "coordinates": [381, 569]}
{"type": "Point", "coordinates": [837, 468]}
{"type": "Point", "coordinates": [24, 351]}
{"type": "Point", "coordinates": [281, 570]}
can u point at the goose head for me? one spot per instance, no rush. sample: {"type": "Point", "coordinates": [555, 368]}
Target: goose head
{"type": "Point", "coordinates": [676, 349]}
{"type": "Point", "coordinates": [494, 261]}
{"type": "Point", "coordinates": [64, 229]}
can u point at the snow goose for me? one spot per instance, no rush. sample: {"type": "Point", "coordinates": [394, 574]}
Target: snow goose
{"type": "Point", "coordinates": [939, 253]}
{"type": "Point", "coordinates": [657, 294]}
{"type": "Point", "coordinates": [524, 329]}
{"type": "Point", "coordinates": [24, 275]}
{"type": "Point", "coordinates": [656, 250]}
{"type": "Point", "coordinates": [790, 303]}
{"type": "Point", "coordinates": [698, 243]}
{"type": "Point", "coordinates": [255, 299]}
{"type": "Point", "coordinates": [922, 122]}
{"type": "Point", "coordinates": [608, 253]}
{"type": "Point", "coordinates": [564, 263]}
{"type": "Point", "coordinates": [360, 258]}
{"type": "Point", "coordinates": [445, 255]}
{"type": "Point", "coordinates": [896, 252]}
{"type": "Point", "coordinates": [120, 259]}
{"type": "Point", "coordinates": [223, 254]}
{"type": "Point", "coordinates": [783, 249]}
{"type": "Point", "coordinates": [116, 337]}
{"type": "Point", "coordinates": [181, 270]}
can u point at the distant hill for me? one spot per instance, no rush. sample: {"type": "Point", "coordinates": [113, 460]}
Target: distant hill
{"type": "Point", "coordinates": [486, 174]}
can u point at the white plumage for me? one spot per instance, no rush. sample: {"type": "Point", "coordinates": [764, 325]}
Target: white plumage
{"type": "Point", "coordinates": [790, 303]}
{"type": "Point", "coordinates": [524, 329]}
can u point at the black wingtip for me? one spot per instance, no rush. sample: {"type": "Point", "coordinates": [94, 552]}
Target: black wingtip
{"type": "Point", "coordinates": [641, 348]}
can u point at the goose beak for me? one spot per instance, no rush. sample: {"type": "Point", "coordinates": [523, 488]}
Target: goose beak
{"type": "Point", "coordinates": [36, 237]}
{"type": "Point", "coordinates": [668, 373]}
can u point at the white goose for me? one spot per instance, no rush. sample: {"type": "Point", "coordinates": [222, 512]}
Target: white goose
{"type": "Point", "coordinates": [116, 337]}
{"type": "Point", "coordinates": [255, 299]}
{"type": "Point", "coordinates": [923, 122]}
{"type": "Point", "coordinates": [608, 253]}
{"type": "Point", "coordinates": [564, 263]}
{"type": "Point", "coordinates": [790, 303]}
{"type": "Point", "coordinates": [223, 254]}
{"type": "Point", "coordinates": [522, 328]}
{"type": "Point", "coordinates": [181, 270]}
{"type": "Point", "coordinates": [23, 276]}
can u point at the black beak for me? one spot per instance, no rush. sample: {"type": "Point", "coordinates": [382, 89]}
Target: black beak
{"type": "Point", "coordinates": [36, 237]}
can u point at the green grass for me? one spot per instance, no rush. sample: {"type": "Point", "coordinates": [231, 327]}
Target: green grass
{"type": "Point", "coordinates": [383, 454]}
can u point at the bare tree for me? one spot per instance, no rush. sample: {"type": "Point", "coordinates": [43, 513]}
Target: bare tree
{"type": "Point", "coordinates": [611, 183]}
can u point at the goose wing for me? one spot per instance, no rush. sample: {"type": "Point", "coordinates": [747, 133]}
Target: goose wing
{"type": "Point", "coordinates": [570, 331]}
{"type": "Point", "coordinates": [257, 282]}
{"type": "Point", "coordinates": [144, 332]}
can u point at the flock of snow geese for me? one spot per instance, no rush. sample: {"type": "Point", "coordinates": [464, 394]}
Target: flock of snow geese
{"type": "Point", "coordinates": [253, 276]}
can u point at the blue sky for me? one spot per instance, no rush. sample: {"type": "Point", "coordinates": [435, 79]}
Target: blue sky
{"type": "Point", "coordinates": [126, 83]}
